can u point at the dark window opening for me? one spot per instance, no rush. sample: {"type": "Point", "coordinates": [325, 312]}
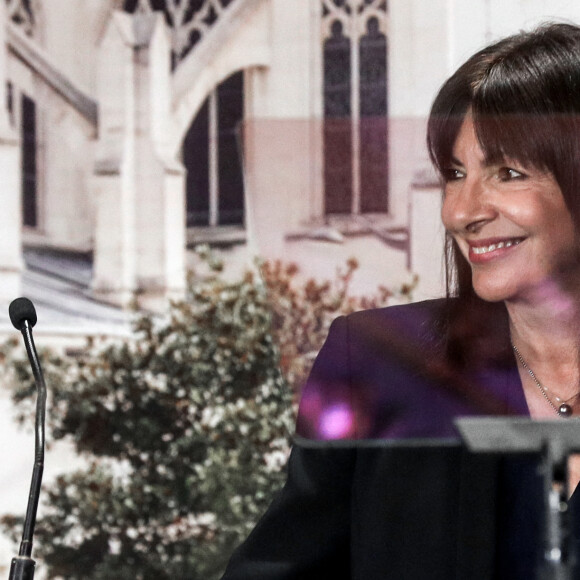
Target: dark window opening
{"type": "Point", "coordinates": [29, 169]}
{"type": "Point", "coordinates": [337, 124]}
{"type": "Point", "coordinates": [373, 119]}
{"type": "Point", "coordinates": [230, 114]}
{"type": "Point", "coordinates": [355, 121]}
{"type": "Point", "coordinates": [196, 161]}
{"type": "Point", "coordinates": [211, 155]}
{"type": "Point", "coordinates": [10, 102]}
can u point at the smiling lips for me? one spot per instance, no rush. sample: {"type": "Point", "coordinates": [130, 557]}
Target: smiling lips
{"type": "Point", "coordinates": [486, 249]}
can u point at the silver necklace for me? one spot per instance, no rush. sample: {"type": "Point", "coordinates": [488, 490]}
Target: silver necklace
{"type": "Point", "coordinates": [563, 409]}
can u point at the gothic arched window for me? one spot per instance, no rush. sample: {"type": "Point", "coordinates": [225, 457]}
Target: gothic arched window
{"type": "Point", "coordinates": [373, 119]}
{"type": "Point", "coordinates": [355, 106]}
{"type": "Point", "coordinates": [337, 125]}
{"type": "Point", "coordinates": [211, 155]}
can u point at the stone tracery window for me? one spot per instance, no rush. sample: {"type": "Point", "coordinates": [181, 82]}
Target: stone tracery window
{"type": "Point", "coordinates": [189, 20]}
{"type": "Point", "coordinates": [355, 106]}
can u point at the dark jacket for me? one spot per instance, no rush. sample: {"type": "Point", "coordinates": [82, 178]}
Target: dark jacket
{"type": "Point", "coordinates": [411, 503]}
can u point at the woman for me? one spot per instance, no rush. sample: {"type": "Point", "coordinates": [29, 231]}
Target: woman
{"type": "Point", "coordinates": [504, 134]}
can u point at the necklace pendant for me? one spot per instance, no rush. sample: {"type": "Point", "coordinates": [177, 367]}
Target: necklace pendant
{"type": "Point", "coordinates": [565, 410]}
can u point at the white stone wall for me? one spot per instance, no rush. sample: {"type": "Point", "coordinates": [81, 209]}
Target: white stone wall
{"type": "Point", "coordinates": [65, 137]}
{"type": "Point", "coordinates": [11, 263]}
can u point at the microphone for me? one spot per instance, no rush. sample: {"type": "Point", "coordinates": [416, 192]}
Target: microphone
{"type": "Point", "coordinates": [23, 317]}
{"type": "Point", "coordinates": [20, 311]}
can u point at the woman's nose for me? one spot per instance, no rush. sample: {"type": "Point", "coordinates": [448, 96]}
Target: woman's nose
{"type": "Point", "coordinates": [466, 206]}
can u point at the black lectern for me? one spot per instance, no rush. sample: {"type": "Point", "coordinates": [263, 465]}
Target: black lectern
{"type": "Point", "coordinates": [555, 441]}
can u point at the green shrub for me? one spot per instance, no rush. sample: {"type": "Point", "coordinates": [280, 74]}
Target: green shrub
{"type": "Point", "coordinates": [185, 428]}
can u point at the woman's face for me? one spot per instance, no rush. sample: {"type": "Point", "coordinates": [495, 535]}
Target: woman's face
{"type": "Point", "coordinates": [509, 221]}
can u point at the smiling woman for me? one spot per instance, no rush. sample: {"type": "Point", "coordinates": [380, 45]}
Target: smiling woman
{"type": "Point", "coordinates": [504, 134]}
{"type": "Point", "coordinates": [511, 224]}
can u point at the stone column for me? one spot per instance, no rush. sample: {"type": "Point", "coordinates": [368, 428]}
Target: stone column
{"type": "Point", "coordinates": [11, 263]}
{"type": "Point", "coordinates": [139, 188]}
{"type": "Point", "coordinates": [281, 133]}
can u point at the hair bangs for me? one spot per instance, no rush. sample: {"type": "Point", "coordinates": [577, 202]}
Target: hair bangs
{"type": "Point", "coordinates": [526, 106]}
{"type": "Point", "coordinates": [528, 139]}
{"type": "Point", "coordinates": [445, 120]}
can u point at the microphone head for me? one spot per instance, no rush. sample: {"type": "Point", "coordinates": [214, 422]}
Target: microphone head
{"type": "Point", "coordinates": [20, 310]}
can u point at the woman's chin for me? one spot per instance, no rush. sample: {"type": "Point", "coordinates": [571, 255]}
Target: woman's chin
{"type": "Point", "coordinates": [546, 292]}
{"type": "Point", "coordinates": [492, 288]}
{"type": "Point", "coordinates": [491, 294]}
{"type": "Point", "coordinates": [495, 290]}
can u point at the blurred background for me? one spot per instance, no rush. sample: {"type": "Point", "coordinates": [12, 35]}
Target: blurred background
{"type": "Point", "coordinates": [145, 141]}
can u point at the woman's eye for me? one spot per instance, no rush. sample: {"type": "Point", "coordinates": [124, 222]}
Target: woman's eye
{"type": "Point", "coordinates": [508, 173]}
{"type": "Point", "coordinates": [453, 174]}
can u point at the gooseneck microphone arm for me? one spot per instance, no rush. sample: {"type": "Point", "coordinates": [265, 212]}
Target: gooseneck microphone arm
{"type": "Point", "coordinates": [23, 317]}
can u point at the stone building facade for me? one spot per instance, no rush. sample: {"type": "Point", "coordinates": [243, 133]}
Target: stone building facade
{"type": "Point", "coordinates": [133, 129]}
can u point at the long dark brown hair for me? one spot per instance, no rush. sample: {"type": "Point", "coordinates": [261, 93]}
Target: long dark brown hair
{"type": "Point", "coordinates": [523, 93]}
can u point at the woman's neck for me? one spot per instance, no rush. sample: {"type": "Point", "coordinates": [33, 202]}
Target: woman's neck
{"type": "Point", "coordinates": [546, 334]}
{"type": "Point", "coordinates": [545, 324]}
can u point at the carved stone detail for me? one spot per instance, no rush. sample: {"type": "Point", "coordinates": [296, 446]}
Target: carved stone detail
{"type": "Point", "coordinates": [353, 15]}
{"type": "Point", "coordinates": [20, 12]}
{"type": "Point", "coordinates": [188, 20]}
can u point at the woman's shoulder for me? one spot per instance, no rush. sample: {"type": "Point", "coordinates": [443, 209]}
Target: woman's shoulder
{"type": "Point", "coordinates": [424, 318]}
{"type": "Point", "coordinates": [424, 308]}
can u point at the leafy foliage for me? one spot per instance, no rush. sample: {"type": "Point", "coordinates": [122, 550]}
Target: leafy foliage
{"type": "Point", "coordinates": [303, 310]}
{"type": "Point", "coordinates": [185, 428]}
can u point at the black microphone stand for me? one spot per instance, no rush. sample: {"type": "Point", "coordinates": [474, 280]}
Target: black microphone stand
{"type": "Point", "coordinates": [22, 566]}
